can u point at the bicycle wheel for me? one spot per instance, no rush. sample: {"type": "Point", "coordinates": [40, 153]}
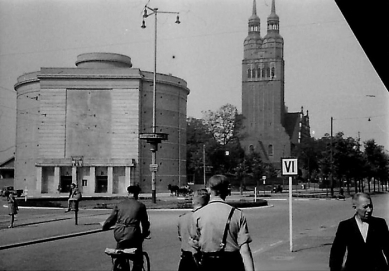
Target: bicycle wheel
{"type": "Point", "coordinates": [146, 261]}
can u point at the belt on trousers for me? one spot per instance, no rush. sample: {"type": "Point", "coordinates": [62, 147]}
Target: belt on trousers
{"type": "Point", "coordinates": [185, 254]}
{"type": "Point", "coordinates": [218, 255]}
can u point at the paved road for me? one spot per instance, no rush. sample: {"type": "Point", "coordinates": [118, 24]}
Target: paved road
{"type": "Point", "coordinates": [314, 227]}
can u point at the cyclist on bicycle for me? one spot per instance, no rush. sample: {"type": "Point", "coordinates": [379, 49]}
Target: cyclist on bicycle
{"type": "Point", "coordinates": [132, 224]}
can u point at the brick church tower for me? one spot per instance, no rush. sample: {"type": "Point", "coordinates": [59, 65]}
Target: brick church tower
{"type": "Point", "coordinates": [268, 128]}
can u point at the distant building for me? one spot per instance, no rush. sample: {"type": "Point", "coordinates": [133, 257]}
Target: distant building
{"type": "Point", "coordinates": [7, 168]}
{"type": "Point", "coordinates": [269, 129]}
{"type": "Point", "coordinates": [82, 125]}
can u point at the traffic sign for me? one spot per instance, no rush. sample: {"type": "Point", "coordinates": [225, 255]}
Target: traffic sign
{"type": "Point", "coordinates": [153, 167]}
{"type": "Point", "coordinates": [289, 166]}
{"type": "Point", "coordinates": [153, 136]}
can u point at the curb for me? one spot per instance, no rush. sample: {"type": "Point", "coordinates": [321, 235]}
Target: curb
{"type": "Point", "coordinates": [48, 239]}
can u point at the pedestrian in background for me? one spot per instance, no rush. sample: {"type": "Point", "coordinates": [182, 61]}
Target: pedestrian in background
{"type": "Point", "coordinates": [187, 261]}
{"type": "Point", "coordinates": [366, 239]}
{"type": "Point", "coordinates": [74, 197]}
{"type": "Point", "coordinates": [221, 231]}
{"type": "Point", "coordinates": [12, 207]}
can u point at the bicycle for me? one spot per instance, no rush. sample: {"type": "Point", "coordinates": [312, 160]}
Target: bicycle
{"type": "Point", "coordinates": [121, 258]}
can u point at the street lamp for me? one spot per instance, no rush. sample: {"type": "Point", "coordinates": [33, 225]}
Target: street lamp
{"type": "Point", "coordinates": [154, 138]}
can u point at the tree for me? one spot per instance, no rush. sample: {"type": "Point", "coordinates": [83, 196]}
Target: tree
{"type": "Point", "coordinates": [197, 137]}
{"type": "Point", "coordinates": [377, 162]}
{"type": "Point", "coordinates": [223, 123]}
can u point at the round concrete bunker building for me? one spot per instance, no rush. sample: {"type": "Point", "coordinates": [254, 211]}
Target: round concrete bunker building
{"type": "Point", "coordinates": [82, 125]}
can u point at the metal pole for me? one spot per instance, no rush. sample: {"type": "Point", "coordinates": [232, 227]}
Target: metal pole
{"type": "Point", "coordinates": [204, 164]}
{"type": "Point", "coordinates": [154, 152]}
{"type": "Point", "coordinates": [331, 180]}
{"type": "Point", "coordinates": [290, 216]}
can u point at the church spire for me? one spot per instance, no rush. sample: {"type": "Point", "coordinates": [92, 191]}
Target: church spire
{"type": "Point", "coordinates": [255, 8]}
{"type": "Point", "coordinates": [273, 7]}
{"type": "Point", "coordinates": [273, 21]}
{"type": "Point", "coordinates": [254, 21]}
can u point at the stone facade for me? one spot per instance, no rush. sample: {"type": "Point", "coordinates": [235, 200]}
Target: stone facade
{"type": "Point", "coordinates": [82, 125]}
{"type": "Point", "coordinates": [269, 129]}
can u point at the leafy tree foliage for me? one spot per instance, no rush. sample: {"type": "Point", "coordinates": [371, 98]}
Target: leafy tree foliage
{"type": "Point", "coordinates": [335, 161]}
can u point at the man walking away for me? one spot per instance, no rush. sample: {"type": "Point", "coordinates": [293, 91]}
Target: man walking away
{"type": "Point", "coordinates": [222, 232]}
{"type": "Point", "coordinates": [187, 262]}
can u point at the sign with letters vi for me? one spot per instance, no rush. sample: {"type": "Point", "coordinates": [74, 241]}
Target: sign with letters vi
{"type": "Point", "coordinates": [289, 166]}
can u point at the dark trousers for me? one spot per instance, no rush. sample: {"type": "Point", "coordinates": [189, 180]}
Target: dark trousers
{"type": "Point", "coordinates": [222, 261]}
{"type": "Point", "coordinates": [187, 262]}
{"type": "Point", "coordinates": [137, 258]}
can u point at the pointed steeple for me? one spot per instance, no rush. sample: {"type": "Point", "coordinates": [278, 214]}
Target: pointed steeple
{"type": "Point", "coordinates": [253, 40]}
{"type": "Point", "coordinates": [255, 8]}
{"type": "Point", "coordinates": [254, 21]}
{"type": "Point", "coordinates": [273, 21]}
{"type": "Point", "coordinates": [273, 7]}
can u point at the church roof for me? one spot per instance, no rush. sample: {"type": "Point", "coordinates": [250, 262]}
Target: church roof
{"type": "Point", "coordinates": [291, 121]}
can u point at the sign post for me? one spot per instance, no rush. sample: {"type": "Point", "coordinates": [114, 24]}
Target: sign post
{"type": "Point", "coordinates": [154, 139]}
{"type": "Point", "coordinates": [264, 182]}
{"type": "Point", "coordinates": [289, 168]}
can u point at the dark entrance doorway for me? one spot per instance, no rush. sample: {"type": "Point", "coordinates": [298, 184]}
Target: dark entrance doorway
{"type": "Point", "coordinates": [101, 184]}
{"type": "Point", "coordinates": [65, 183]}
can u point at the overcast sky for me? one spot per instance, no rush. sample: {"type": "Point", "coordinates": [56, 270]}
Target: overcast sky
{"type": "Point", "coordinates": [326, 70]}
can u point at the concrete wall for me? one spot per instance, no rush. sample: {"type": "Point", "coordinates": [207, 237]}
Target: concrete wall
{"type": "Point", "coordinates": [96, 112]}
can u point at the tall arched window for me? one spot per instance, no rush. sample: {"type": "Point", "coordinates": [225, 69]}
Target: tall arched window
{"type": "Point", "coordinates": [263, 73]}
{"type": "Point", "coordinates": [267, 72]}
{"type": "Point", "coordinates": [273, 72]}
{"type": "Point", "coordinates": [249, 73]}
{"type": "Point", "coordinates": [258, 72]}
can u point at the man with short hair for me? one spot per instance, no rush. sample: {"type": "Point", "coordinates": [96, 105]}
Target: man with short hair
{"type": "Point", "coordinates": [187, 262]}
{"type": "Point", "coordinates": [366, 239]}
{"type": "Point", "coordinates": [132, 224]}
{"type": "Point", "coordinates": [221, 232]}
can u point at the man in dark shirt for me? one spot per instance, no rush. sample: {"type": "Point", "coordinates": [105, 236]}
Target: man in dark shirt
{"type": "Point", "coordinates": [364, 237]}
{"type": "Point", "coordinates": [132, 223]}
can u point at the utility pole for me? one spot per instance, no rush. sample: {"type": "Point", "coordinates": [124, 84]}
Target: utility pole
{"type": "Point", "coordinates": [331, 162]}
{"type": "Point", "coordinates": [204, 165]}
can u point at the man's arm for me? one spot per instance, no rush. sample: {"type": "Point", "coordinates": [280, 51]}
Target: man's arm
{"type": "Point", "coordinates": [338, 249]}
{"type": "Point", "coordinates": [111, 220]}
{"type": "Point", "coordinates": [385, 239]}
{"type": "Point", "coordinates": [247, 257]}
{"type": "Point", "coordinates": [145, 222]}
{"type": "Point", "coordinates": [194, 234]}
{"type": "Point", "coordinates": [179, 229]}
